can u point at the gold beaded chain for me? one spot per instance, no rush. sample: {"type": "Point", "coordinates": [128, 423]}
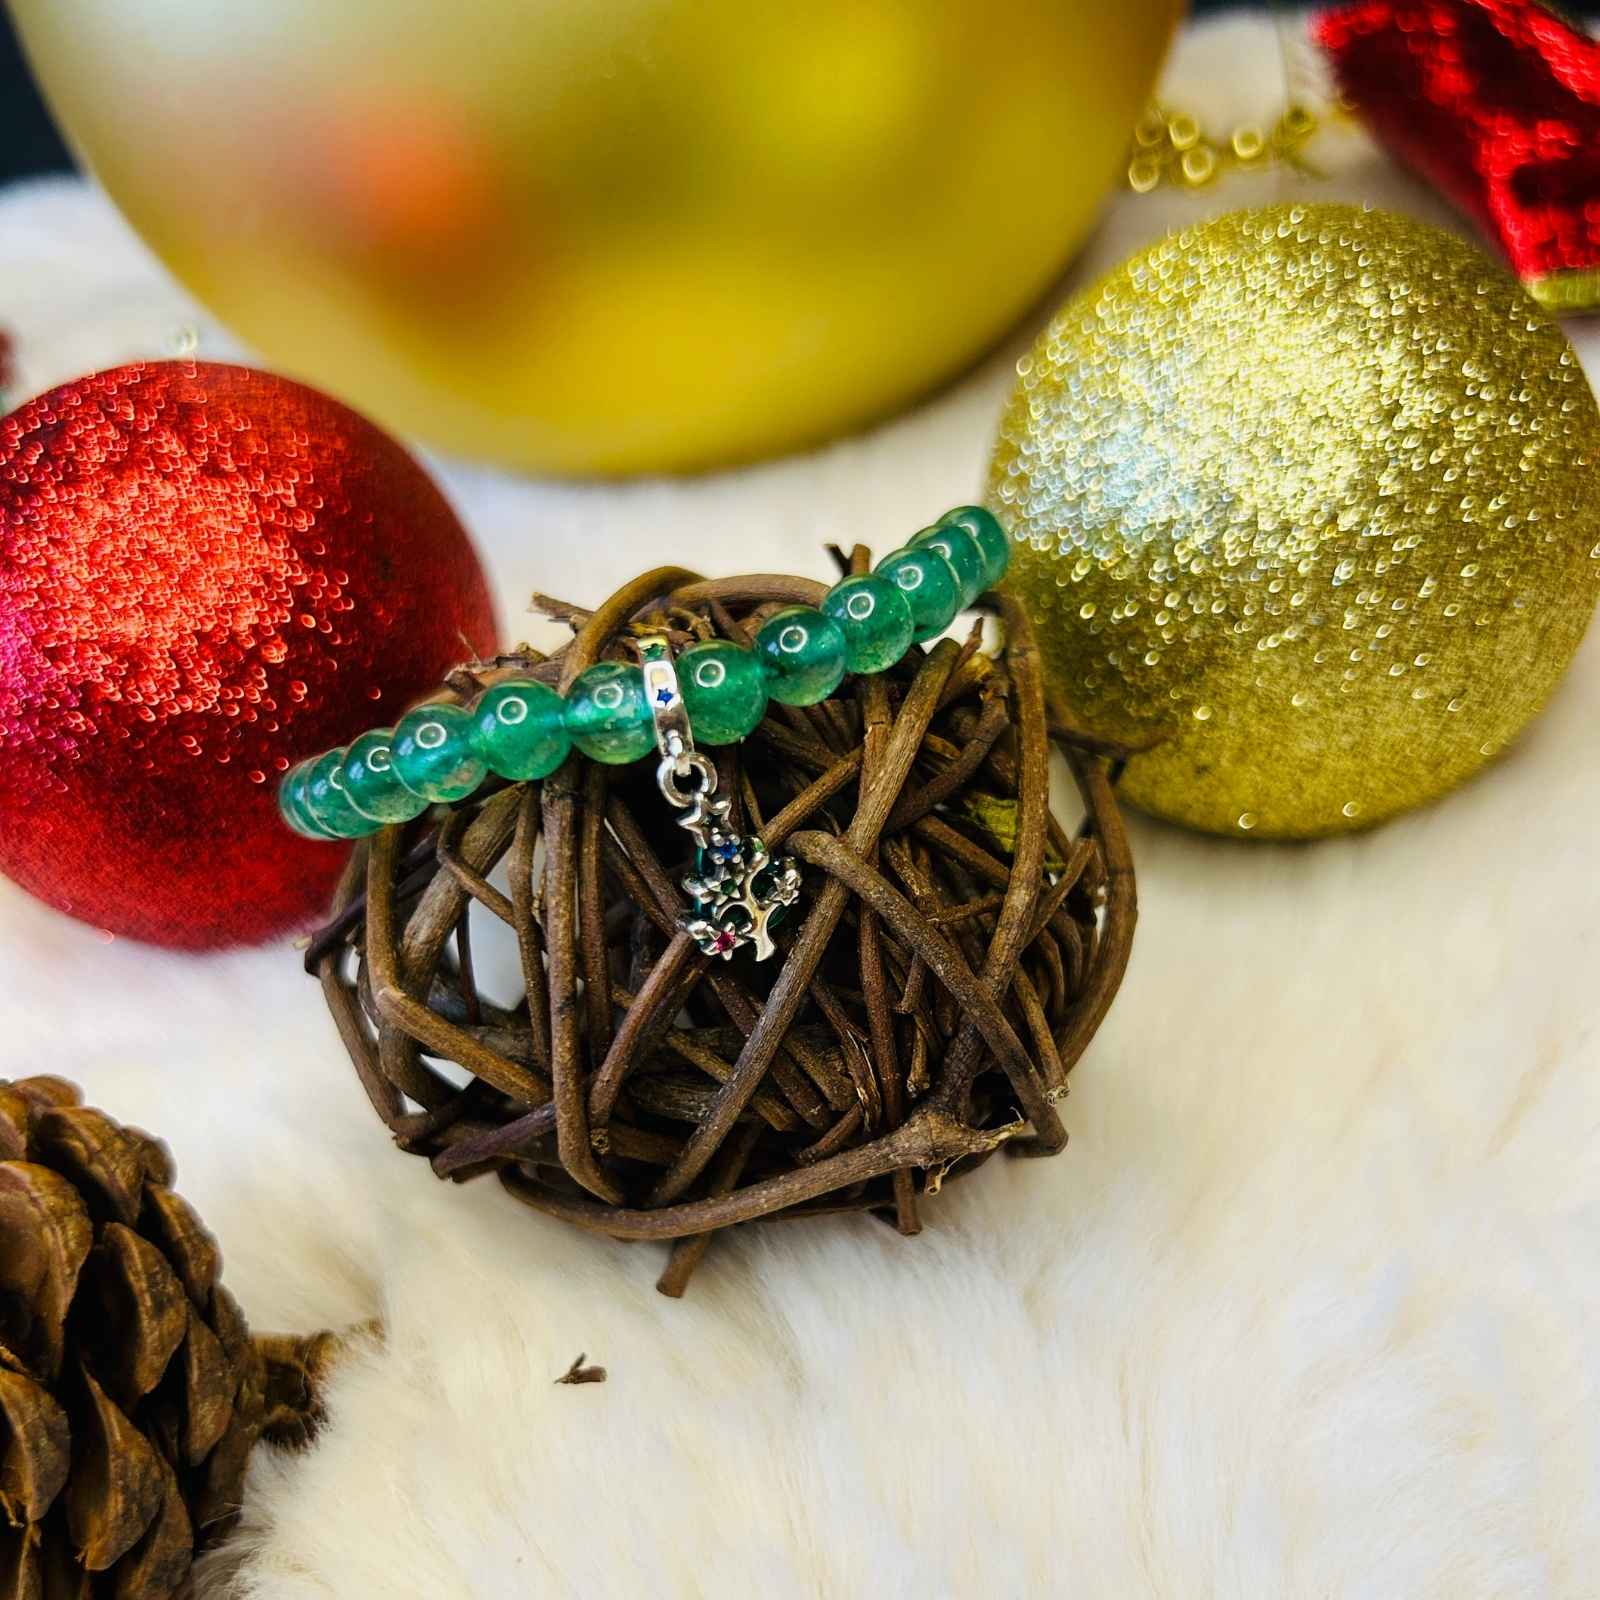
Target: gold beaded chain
{"type": "Point", "coordinates": [1170, 148]}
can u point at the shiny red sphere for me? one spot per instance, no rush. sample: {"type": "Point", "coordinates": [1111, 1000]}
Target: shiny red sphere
{"type": "Point", "coordinates": [206, 574]}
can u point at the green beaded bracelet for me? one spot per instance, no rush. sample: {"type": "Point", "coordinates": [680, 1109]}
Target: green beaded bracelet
{"type": "Point", "coordinates": [292, 803]}
{"type": "Point", "coordinates": [323, 799]}
{"type": "Point", "coordinates": [803, 653]}
{"type": "Point", "coordinates": [372, 785]}
{"type": "Point", "coordinates": [607, 714]}
{"type": "Point", "coordinates": [725, 690]}
{"type": "Point", "coordinates": [434, 755]}
{"type": "Point", "coordinates": [930, 585]}
{"type": "Point", "coordinates": [875, 619]}
{"type": "Point", "coordinates": [521, 729]}
{"type": "Point", "coordinates": [985, 527]}
{"type": "Point", "coordinates": [964, 554]}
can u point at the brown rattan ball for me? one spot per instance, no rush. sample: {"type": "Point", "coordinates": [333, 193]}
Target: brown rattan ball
{"type": "Point", "coordinates": [953, 952]}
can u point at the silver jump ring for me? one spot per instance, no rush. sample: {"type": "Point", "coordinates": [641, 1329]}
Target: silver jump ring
{"type": "Point", "coordinates": [672, 768]}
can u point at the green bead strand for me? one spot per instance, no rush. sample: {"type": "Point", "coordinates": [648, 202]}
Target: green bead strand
{"type": "Point", "coordinates": [803, 652]}
{"type": "Point", "coordinates": [432, 753]}
{"type": "Point", "coordinates": [607, 716]}
{"type": "Point", "coordinates": [371, 784]}
{"type": "Point", "coordinates": [523, 730]}
{"type": "Point", "coordinates": [875, 619]}
{"type": "Point", "coordinates": [326, 803]}
{"type": "Point", "coordinates": [930, 585]}
{"type": "Point", "coordinates": [965, 555]}
{"type": "Point", "coordinates": [724, 691]}
{"type": "Point", "coordinates": [518, 729]}
{"type": "Point", "coordinates": [984, 527]}
{"type": "Point", "coordinates": [292, 803]}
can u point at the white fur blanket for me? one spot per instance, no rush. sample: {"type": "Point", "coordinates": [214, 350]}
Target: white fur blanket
{"type": "Point", "coordinates": [1307, 1308]}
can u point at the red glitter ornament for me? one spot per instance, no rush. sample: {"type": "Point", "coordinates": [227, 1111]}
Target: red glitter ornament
{"type": "Point", "coordinates": [1496, 103]}
{"type": "Point", "coordinates": [206, 574]}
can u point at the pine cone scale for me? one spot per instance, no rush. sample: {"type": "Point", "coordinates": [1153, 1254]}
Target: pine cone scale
{"type": "Point", "coordinates": [115, 1488]}
{"type": "Point", "coordinates": [131, 1391]}
{"type": "Point", "coordinates": [37, 1450]}
{"type": "Point", "coordinates": [214, 1491]}
{"type": "Point", "coordinates": [21, 1103]}
{"type": "Point", "coordinates": [160, 1561]}
{"type": "Point", "coordinates": [45, 1238]}
{"type": "Point", "coordinates": [170, 1222]}
{"type": "Point", "coordinates": [134, 1313]}
{"type": "Point", "coordinates": [20, 1577]}
{"type": "Point", "coordinates": [96, 1157]}
{"type": "Point", "coordinates": [210, 1385]}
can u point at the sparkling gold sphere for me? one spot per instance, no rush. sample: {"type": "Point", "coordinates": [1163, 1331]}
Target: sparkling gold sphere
{"type": "Point", "coordinates": [1311, 493]}
{"type": "Point", "coordinates": [608, 235]}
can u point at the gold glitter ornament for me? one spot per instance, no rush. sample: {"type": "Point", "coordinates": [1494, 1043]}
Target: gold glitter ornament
{"type": "Point", "coordinates": [1310, 493]}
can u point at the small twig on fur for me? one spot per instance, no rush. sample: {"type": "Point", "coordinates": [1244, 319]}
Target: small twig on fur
{"type": "Point", "coordinates": [578, 1373]}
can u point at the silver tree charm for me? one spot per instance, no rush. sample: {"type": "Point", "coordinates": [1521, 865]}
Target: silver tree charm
{"type": "Point", "coordinates": [706, 817]}
{"type": "Point", "coordinates": [739, 891]}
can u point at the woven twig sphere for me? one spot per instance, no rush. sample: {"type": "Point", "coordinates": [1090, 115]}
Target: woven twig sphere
{"type": "Point", "coordinates": [952, 954]}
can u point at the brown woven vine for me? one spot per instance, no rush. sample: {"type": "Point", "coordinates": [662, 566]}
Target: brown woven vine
{"type": "Point", "coordinates": [953, 952]}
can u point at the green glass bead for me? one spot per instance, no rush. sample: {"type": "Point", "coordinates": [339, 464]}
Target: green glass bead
{"type": "Point", "coordinates": [957, 544]}
{"type": "Point", "coordinates": [292, 803]}
{"type": "Point", "coordinates": [607, 716]}
{"type": "Point", "coordinates": [370, 783]}
{"type": "Point", "coordinates": [930, 585]}
{"type": "Point", "coordinates": [326, 803]}
{"type": "Point", "coordinates": [432, 755]}
{"type": "Point", "coordinates": [517, 728]}
{"type": "Point", "coordinates": [985, 527]}
{"type": "Point", "coordinates": [724, 691]}
{"type": "Point", "coordinates": [804, 654]}
{"type": "Point", "coordinates": [875, 619]}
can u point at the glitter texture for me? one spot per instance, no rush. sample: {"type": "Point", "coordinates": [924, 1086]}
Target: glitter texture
{"type": "Point", "coordinates": [206, 573]}
{"type": "Point", "coordinates": [1497, 104]}
{"type": "Point", "coordinates": [1309, 492]}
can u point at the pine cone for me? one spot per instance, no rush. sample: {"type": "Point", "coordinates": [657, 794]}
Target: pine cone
{"type": "Point", "coordinates": [131, 1392]}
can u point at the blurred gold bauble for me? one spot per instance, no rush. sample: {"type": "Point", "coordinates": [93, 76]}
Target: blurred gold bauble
{"type": "Point", "coordinates": [1313, 493]}
{"type": "Point", "coordinates": [586, 237]}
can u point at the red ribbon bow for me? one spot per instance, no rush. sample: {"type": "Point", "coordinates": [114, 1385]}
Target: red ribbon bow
{"type": "Point", "coordinates": [1496, 103]}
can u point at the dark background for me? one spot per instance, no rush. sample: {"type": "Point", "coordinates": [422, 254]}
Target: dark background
{"type": "Point", "coordinates": [28, 139]}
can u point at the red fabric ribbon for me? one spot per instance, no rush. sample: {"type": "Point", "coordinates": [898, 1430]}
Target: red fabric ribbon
{"type": "Point", "coordinates": [1496, 103]}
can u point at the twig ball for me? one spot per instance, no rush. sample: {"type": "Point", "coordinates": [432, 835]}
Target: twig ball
{"type": "Point", "coordinates": [953, 951]}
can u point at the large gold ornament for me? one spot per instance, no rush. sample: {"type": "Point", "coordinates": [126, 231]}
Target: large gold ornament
{"type": "Point", "coordinates": [608, 237]}
{"type": "Point", "coordinates": [1313, 493]}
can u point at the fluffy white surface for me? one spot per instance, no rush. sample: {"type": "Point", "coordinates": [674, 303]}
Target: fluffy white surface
{"type": "Point", "coordinates": [1306, 1309]}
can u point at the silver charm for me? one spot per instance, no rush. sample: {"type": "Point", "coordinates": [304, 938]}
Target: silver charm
{"type": "Point", "coordinates": [738, 889]}
{"type": "Point", "coordinates": [738, 892]}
